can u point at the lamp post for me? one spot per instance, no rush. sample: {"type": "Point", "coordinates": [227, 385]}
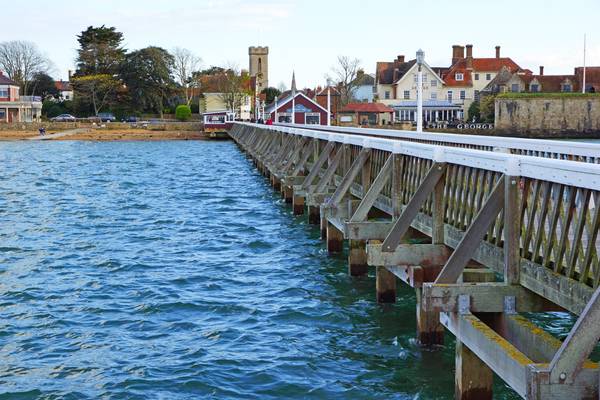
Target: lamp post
{"type": "Point", "coordinates": [420, 61]}
{"type": "Point", "coordinates": [276, 107]}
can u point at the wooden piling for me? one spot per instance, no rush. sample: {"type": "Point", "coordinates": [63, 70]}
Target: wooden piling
{"type": "Point", "coordinates": [298, 205]}
{"type": "Point", "coordinates": [430, 331]}
{"type": "Point", "coordinates": [473, 378]}
{"type": "Point", "coordinates": [357, 258]}
{"type": "Point", "coordinates": [335, 239]}
{"type": "Point", "coordinates": [385, 285]}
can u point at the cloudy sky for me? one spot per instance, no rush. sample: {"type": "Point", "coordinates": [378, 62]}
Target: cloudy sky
{"type": "Point", "coordinates": [308, 35]}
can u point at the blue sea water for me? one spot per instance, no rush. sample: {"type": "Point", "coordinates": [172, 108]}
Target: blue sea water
{"type": "Point", "coordinates": [170, 270]}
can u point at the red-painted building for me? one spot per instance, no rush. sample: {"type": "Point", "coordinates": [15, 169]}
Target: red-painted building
{"type": "Point", "coordinates": [306, 111]}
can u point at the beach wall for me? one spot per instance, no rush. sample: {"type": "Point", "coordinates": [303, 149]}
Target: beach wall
{"type": "Point", "coordinates": [58, 126]}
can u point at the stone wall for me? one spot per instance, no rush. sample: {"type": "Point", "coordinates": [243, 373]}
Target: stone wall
{"type": "Point", "coordinates": [549, 116]}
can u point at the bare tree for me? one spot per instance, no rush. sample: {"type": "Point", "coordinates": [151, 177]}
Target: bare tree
{"type": "Point", "coordinates": [186, 63]}
{"type": "Point", "coordinates": [344, 74]}
{"type": "Point", "coordinates": [22, 60]}
{"type": "Point", "coordinates": [233, 87]}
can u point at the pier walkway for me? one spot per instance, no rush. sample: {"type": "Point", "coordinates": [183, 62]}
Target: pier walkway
{"type": "Point", "coordinates": [485, 229]}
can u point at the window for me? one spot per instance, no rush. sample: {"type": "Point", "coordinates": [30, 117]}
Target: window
{"type": "Point", "coordinates": [434, 96]}
{"type": "Point", "coordinates": [449, 95]}
{"type": "Point", "coordinates": [2, 114]}
{"type": "Point", "coordinates": [312, 119]}
{"type": "Point", "coordinates": [515, 88]}
{"type": "Point", "coordinates": [534, 87]}
{"type": "Point", "coordinates": [463, 94]}
{"type": "Point", "coordinates": [488, 77]}
{"type": "Point", "coordinates": [433, 83]}
{"type": "Point", "coordinates": [406, 94]}
{"type": "Point", "coordinates": [3, 92]}
{"type": "Point", "coordinates": [566, 87]}
{"type": "Point", "coordinates": [459, 76]}
{"type": "Point", "coordinates": [386, 95]}
{"type": "Point", "coordinates": [476, 77]}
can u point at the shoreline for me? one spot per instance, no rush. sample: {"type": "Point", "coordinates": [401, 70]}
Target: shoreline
{"type": "Point", "coordinates": [106, 135]}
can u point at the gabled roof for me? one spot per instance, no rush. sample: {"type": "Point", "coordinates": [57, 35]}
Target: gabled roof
{"type": "Point", "coordinates": [367, 107]}
{"type": "Point", "coordinates": [287, 98]}
{"type": "Point", "coordinates": [479, 65]}
{"type": "Point", "coordinates": [4, 80]}
{"type": "Point", "coordinates": [391, 72]}
{"type": "Point", "coordinates": [365, 80]}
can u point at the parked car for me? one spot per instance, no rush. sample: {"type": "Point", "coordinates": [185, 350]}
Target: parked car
{"type": "Point", "coordinates": [63, 118]}
{"type": "Point", "coordinates": [106, 117]}
{"type": "Point", "coordinates": [132, 119]}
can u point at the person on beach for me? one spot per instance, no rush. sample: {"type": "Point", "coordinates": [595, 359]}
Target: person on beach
{"type": "Point", "coordinates": [42, 131]}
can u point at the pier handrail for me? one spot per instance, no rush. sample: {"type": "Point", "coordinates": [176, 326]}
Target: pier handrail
{"type": "Point", "coordinates": [590, 152]}
{"type": "Point", "coordinates": [566, 172]}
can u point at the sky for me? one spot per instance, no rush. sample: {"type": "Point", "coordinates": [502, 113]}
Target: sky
{"type": "Point", "coordinates": [306, 36]}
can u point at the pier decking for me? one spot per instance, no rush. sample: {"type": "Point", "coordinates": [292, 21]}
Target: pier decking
{"type": "Point", "coordinates": [484, 229]}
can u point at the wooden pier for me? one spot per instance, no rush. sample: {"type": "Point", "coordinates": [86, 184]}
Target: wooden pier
{"type": "Point", "coordinates": [484, 229]}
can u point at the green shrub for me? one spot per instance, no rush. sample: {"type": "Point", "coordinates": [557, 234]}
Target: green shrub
{"type": "Point", "coordinates": [474, 112]}
{"type": "Point", "coordinates": [183, 112]}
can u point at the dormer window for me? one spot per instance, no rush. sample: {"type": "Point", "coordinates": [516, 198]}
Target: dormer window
{"type": "Point", "coordinates": [459, 76]}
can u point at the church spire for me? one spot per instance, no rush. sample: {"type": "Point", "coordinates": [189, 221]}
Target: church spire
{"type": "Point", "coordinates": [294, 82]}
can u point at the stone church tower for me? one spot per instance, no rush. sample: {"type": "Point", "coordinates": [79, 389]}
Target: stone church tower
{"type": "Point", "coordinates": [259, 66]}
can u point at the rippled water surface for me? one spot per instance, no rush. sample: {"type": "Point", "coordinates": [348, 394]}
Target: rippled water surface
{"type": "Point", "coordinates": [171, 271]}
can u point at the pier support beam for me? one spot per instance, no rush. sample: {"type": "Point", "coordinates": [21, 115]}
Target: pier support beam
{"type": "Point", "coordinates": [335, 239]}
{"type": "Point", "coordinates": [314, 215]}
{"type": "Point", "coordinates": [357, 258]}
{"type": "Point", "coordinates": [430, 331]}
{"type": "Point", "coordinates": [288, 194]}
{"type": "Point", "coordinates": [385, 285]}
{"type": "Point", "coordinates": [473, 379]}
{"type": "Point", "coordinates": [298, 205]}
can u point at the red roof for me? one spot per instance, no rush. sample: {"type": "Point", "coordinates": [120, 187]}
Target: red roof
{"type": "Point", "coordinates": [4, 80]}
{"type": "Point", "coordinates": [479, 65]}
{"type": "Point", "coordinates": [62, 86]}
{"type": "Point", "coordinates": [367, 108]}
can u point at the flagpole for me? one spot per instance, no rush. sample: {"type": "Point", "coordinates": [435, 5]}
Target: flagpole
{"type": "Point", "coordinates": [328, 105]}
{"type": "Point", "coordinates": [584, 50]}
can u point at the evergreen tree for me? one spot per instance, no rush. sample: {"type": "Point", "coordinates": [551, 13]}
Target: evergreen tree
{"type": "Point", "coordinates": [100, 51]}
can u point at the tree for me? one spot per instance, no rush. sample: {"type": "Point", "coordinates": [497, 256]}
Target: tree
{"type": "Point", "coordinates": [21, 60]}
{"type": "Point", "coordinates": [100, 51]}
{"type": "Point", "coordinates": [183, 112]}
{"type": "Point", "coordinates": [270, 94]}
{"type": "Point", "coordinates": [185, 63]}
{"type": "Point", "coordinates": [474, 113]}
{"type": "Point", "coordinates": [43, 85]}
{"type": "Point", "coordinates": [147, 75]}
{"type": "Point", "coordinates": [345, 75]}
{"type": "Point", "coordinates": [487, 108]}
{"type": "Point", "coordinates": [234, 87]}
{"type": "Point", "coordinates": [96, 90]}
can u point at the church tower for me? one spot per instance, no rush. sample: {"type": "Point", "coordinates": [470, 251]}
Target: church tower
{"type": "Point", "coordinates": [259, 66]}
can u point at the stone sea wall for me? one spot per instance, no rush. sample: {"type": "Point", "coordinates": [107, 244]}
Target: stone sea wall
{"type": "Point", "coordinates": [549, 116]}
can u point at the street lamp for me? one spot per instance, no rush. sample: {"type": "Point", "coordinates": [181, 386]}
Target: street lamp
{"type": "Point", "coordinates": [420, 61]}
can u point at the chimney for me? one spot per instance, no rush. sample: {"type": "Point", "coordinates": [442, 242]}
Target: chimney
{"type": "Point", "coordinates": [458, 53]}
{"type": "Point", "coordinates": [497, 51]}
{"type": "Point", "coordinates": [70, 73]}
{"type": "Point", "coordinates": [470, 56]}
{"type": "Point", "coordinates": [541, 70]}
{"type": "Point", "coordinates": [400, 59]}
